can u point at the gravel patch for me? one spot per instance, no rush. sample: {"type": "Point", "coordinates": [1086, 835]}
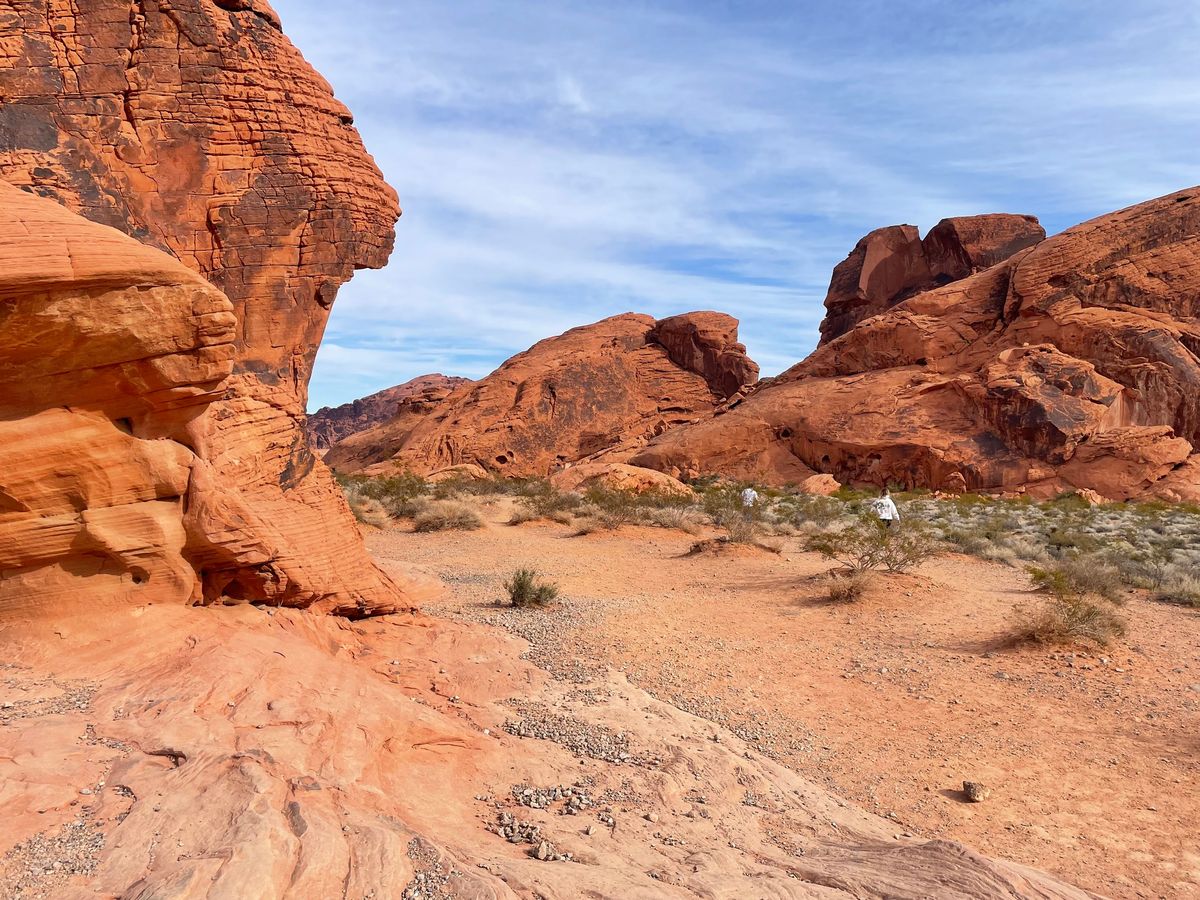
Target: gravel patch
{"type": "Point", "coordinates": [41, 866]}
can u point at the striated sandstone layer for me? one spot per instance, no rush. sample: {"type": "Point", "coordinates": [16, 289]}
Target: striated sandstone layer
{"type": "Point", "coordinates": [1074, 364]}
{"type": "Point", "coordinates": [330, 424]}
{"type": "Point", "coordinates": [273, 753]}
{"type": "Point", "coordinates": [892, 264]}
{"type": "Point", "coordinates": [110, 354]}
{"type": "Point", "coordinates": [196, 127]}
{"type": "Point", "coordinates": [566, 398]}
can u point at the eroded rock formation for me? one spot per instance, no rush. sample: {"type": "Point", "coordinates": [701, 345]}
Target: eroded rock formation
{"type": "Point", "coordinates": [892, 264]}
{"type": "Point", "coordinates": [1073, 364]}
{"type": "Point", "coordinates": [195, 127]}
{"type": "Point", "coordinates": [330, 424]}
{"type": "Point", "coordinates": [567, 398]}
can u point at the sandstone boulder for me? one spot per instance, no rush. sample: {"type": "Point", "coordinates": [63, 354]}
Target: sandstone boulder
{"type": "Point", "coordinates": [567, 398]}
{"type": "Point", "coordinates": [197, 128]}
{"type": "Point", "coordinates": [619, 477]}
{"type": "Point", "coordinates": [891, 264]}
{"type": "Point", "coordinates": [1071, 365]}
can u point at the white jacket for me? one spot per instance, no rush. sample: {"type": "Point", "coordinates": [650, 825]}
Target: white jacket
{"type": "Point", "coordinates": [885, 508]}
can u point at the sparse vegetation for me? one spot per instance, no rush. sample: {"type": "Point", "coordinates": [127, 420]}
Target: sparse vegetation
{"type": "Point", "coordinates": [525, 589]}
{"type": "Point", "coordinates": [1180, 590]}
{"type": "Point", "coordinates": [849, 587]}
{"type": "Point", "coordinates": [1068, 619]}
{"type": "Point", "coordinates": [440, 515]}
{"type": "Point", "coordinates": [865, 544]}
{"type": "Point", "coordinates": [366, 509]}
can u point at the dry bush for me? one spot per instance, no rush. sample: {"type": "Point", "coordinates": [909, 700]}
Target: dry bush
{"type": "Point", "coordinates": [366, 509]}
{"type": "Point", "coordinates": [526, 590]}
{"type": "Point", "coordinates": [1069, 619]}
{"type": "Point", "coordinates": [741, 530]}
{"type": "Point", "coordinates": [1080, 607]}
{"type": "Point", "coordinates": [1178, 589]}
{"type": "Point", "coordinates": [440, 515]}
{"type": "Point", "coordinates": [848, 588]}
{"type": "Point", "coordinates": [521, 515]}
{"type": "Point", "coordinates": [688, 519]}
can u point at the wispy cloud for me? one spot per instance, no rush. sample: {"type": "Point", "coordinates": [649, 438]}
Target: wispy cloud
{"type": "Point", "coordinates": [561, 162]}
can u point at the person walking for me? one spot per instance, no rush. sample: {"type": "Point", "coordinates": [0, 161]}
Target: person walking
{"type": "Point", "coordinates": [885, 509]}
{"type": "Point", "coordinates": [749, 500]}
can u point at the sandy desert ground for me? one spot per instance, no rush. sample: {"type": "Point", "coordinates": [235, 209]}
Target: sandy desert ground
{"type": "Point", "coordinates": [891, 702]}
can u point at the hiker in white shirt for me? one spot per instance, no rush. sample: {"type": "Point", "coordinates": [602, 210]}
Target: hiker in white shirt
{"type": "Point", "coordinates": [885, 508]}
{"type": "Point", "coordinates": [749, 499]}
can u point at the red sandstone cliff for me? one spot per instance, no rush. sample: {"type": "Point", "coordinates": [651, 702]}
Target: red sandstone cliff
{"type": "Point", "coordinates": [566, 398]}
{"type": "Point", "coordinates": [1072, 364]}
{"type": "Point", "coordinates": [197, 128]}
{"type": "Point", "coordinates": [330, 424]}
{"type": "Point", "coordinates": [892, 264]}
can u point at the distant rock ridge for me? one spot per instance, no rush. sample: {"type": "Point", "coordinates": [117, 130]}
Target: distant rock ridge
{"type": "Point", "coordinates": [565, 399]}
{"type": "Point", "coordinates": [1072, 364]}
{"type": "Point", "coordinates": [330, 424]}
{"type": "Point", "coordinates": [891, 264]}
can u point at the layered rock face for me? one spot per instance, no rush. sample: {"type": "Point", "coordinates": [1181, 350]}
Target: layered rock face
{"type": "Point", "coordinates": [892, 264]}
{"type": "Point", "coordinates": [330, 424]}
{"type": "Point", "coordinates": [197, 128]}
{"type": "Point", "coordinates": [567, 398]}
{"type": "Point", "coordinates": [1073, 364]}
{"type": "Point", "coordinates": [110, 354]}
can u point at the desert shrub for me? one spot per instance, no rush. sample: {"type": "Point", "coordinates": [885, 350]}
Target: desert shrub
{"type": "Point", "coordinates": [398, 494]}
{"type": "Point", "coordinates": [541, 501]}
{"type": "Point", "coordinates": [366, 509]}
{"type": "Point", "coordinates": [440, 515]}
{"type": "Point", "coordinates": [1069, 618]}
{"type": "Point", "coordinates": [741, 530]}
{"type": "Point", "coordinates": [1079, 575]}
{"type": "Point", "coordinates": [848, 588]}
{"type": "Point", "coordinates": [688, 519]}
{"type": "Point", "coordinates": [525, 589]}
{"type": "Point", "coordinates": [867, 545]}
{"type": "Point", "coordinates": [521, 515]}
{"type": "Point", "coordinates": [1179, 589]}
{"type": "Point", "coordinates": [1070, 540]}
{"type": "Point", "coordinates": [802, 509]}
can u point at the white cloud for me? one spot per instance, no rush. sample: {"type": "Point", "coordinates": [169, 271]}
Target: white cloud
{"type": "Point", "coordinates": [561, 162]}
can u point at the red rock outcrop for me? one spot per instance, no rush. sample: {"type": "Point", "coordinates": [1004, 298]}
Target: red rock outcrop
{"type": "Point", "coordinates": [892, 264]}
{"type": "Point", "coordinates": [330, 424]}
{"type": "Point", "coordinates": [1073, 364]}
{"type": "Point", "coordinates": [567, 398]}
{"type": "Point", "coordinates": [195, 127]}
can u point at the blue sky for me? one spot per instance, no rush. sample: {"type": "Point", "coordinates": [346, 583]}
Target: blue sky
{"type": "Point", "coordinates": [560, 162]}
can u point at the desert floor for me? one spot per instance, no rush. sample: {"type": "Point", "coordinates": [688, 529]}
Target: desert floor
{"type": "Point", "coordinates": [891, 702]}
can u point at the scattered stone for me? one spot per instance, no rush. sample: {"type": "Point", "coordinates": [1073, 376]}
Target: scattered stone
{"type": "Point", "coordinates": [976, 792]}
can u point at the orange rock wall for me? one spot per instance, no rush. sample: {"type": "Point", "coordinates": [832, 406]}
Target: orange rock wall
{"type": "Point", "coordinates": [1073, 364]}
{"type": "Point", "coordinates": [567, 398]}
{"type": "Point", "coordinates": [196, 127]}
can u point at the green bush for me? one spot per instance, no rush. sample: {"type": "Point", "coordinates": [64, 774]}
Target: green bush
{"type": "Point", "coordinates": [526, 590]}
{"type": "Point", "coordinates": [867, 544]}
